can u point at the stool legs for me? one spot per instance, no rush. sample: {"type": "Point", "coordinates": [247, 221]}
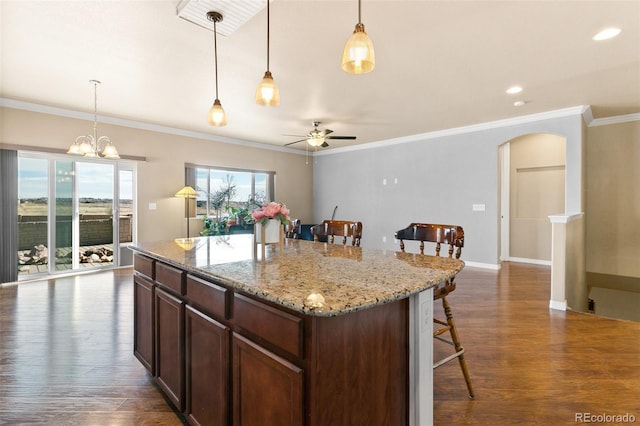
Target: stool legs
{"type": "Point", "coordinates": [450, 326]}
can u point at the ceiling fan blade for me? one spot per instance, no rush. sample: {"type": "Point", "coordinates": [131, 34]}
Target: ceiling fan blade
{"type": "Point", "coordinates": [326, 132]}
{"type": "Point", "coordinates": [341, 137]}
{"type": "Point", "coordinates": [324, 144]}
{"type": "Point", "coordinates": [291, 143]}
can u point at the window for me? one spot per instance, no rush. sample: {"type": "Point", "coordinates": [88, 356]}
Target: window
{"type": "Point", "coordinates": [73, 213]}
{"type": "Point", "coordinates": [222, 191]}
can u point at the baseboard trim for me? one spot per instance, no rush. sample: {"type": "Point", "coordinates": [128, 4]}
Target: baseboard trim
{"type": "Point", "coordinates": [532, 261]}
{"type": "Point", "coordinates": [558, 305]}
{"type": "Point", "coordinates": [491, 266]}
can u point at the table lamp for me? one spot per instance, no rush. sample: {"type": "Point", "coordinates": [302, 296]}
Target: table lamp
{"type": "Point", "coordinates": [187, 192]}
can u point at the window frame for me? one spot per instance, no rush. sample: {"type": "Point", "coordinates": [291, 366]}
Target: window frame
{"type": "Point", "coordinates": [191, 170]}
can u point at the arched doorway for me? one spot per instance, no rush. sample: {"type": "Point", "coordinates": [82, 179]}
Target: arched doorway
{"type": "Point", "coordinates": [532, 186]}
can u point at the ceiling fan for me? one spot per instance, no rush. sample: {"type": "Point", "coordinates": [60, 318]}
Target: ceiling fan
{"type": "Point", "coordinates": [318, 137]}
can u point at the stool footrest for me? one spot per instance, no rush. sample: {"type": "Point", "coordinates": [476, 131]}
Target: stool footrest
{"type": "Point", "coordinates": [449, 358]}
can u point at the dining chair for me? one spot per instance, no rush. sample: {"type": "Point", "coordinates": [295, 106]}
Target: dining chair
{"type": "Point", "coordinates": [453, 236]}
{"type": "Point", "coordinates": [328, 229]}
{"type": "Point", "coordinates": [292, 229]}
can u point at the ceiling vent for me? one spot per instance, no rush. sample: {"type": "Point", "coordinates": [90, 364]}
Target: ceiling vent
{"type": "Point", "coordinates": [236, 13]}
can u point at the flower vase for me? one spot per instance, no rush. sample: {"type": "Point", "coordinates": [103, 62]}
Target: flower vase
{"type": "Point", "coordinates": [269, 233]}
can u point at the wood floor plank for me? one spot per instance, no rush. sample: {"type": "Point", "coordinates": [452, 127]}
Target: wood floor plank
{"type": "Point", "coordinates": [66, 355]}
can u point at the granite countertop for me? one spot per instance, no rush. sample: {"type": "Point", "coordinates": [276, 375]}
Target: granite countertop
{"type": "Point", "coordinates": [313, 278]}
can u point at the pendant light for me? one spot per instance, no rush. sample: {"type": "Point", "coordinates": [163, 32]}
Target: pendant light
{"type": "Point", "coordinates": [91, 145]}
{"type": "Point", "coordinates": [217, 116]}
{"type": "Point", "coordinates": [267, 93]}
{"type": "Point", "coordinates": [358, 56]}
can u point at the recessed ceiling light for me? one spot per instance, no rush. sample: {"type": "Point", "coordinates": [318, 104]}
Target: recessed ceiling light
{"type": "Point", "coordinates": [606, 34]}
{"type": "Point", "coordinates": [519, 103]}
{"type": "Point", "coordinates": [513, 90]}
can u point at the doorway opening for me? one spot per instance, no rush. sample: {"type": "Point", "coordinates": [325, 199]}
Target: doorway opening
{"type": "Point", "coordinates": [532, 187]}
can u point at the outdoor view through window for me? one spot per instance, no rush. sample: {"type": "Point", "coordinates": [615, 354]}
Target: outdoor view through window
{"type": "Point", "coordinates": [66, 213]}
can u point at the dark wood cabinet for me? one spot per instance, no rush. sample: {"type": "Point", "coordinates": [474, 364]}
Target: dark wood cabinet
{"type": "Point", "coordinates": [169, 336]}
{"type": "Point", "coordinates": [143, 322]}
{"type": "Point", "coordinates": [224, 357]}
{"type": "Point", "coordinates": [206, 369]}
{"type": "Point", "coordinates": [267, 389]}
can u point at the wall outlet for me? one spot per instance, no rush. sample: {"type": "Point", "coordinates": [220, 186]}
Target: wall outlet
{"type": "Point", "coordinates": [152, 206]}
{"type": "Point", "coordinates": [478, 207]}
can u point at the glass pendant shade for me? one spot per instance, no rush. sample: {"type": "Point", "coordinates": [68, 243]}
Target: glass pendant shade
{"type": "Point", "coordinates": [217, 116]}
{"type": "Point", "coordinates": [75, 149]}
{"type": "Point", "coordinates": [358, 56]}
{"type": "Point", "coordinates": [110, 151]}
{"type": "Point", "coordinates": [267, 93]}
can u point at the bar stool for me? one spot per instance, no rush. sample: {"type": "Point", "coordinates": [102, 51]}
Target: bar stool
{"type": "Point", "coordinates": [453, 236]}
{"type": "Point", "coordinates": [326, 231]}
{"type": "Point", "coordinates": [292, 229]}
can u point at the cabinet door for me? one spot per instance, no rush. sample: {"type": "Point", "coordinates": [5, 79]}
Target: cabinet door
{"type": "Point", "coordinates": [267, 389]}
{"type": "Point", "coordinates": [206, 369]}
{"type": "Point", "coordinates": [143, 322]}
{"type": "Point", "coordinates": [170, 346]}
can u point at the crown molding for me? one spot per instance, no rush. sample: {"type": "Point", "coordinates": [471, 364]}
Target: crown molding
{"type": "Point", "coordinates": [559, 113]}
{"type": "Point", "coordinates": [68, 113]}
{"type": "Point", "coordinates": [615, 120]}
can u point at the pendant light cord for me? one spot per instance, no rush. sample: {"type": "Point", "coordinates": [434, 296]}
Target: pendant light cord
{"type": "Point", "coordinates": [268, 32]}
{"type": "Point", "coordinates": [215, 51]}
{"type": "Point", "coordinates": [359, 11]}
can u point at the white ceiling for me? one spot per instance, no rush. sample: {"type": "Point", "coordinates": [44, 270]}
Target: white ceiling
{"type": "Point", "coordinates": [439, 64]}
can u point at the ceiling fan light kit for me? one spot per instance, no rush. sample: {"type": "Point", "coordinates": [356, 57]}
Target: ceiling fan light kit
{"type": "Point", "coordinates": [358, 56]}
{"type": "Point", "coordinates": [267, 93]}
{"type": "Point", "coordinates": [318, 138]}
{"type": "Point", "coordinates": [216, 116]}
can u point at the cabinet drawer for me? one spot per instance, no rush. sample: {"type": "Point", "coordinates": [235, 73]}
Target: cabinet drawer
{"type": "Point", "coordinates": [170, 277]}
{"type": "Point", "coordinates": [144, 265]}
{"type": "Point", "coordinates": [279, 328]}
{"type": "Point", "coordinates": [207, 297]}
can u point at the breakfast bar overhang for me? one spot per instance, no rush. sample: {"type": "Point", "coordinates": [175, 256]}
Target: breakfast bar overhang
{"type": "Point", "coordinates": [313, 333]}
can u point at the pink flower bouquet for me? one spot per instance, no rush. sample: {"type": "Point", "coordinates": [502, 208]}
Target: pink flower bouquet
{"type": "Point", "coordinates": [271, 210]}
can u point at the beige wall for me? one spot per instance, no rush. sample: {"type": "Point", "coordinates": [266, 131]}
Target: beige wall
{"type": "Point", "coordinates": [162, 174]}
{"type": "Point", "coordinates": [613, 199]}
{"type": "Point", "coordinates": [537, 190]}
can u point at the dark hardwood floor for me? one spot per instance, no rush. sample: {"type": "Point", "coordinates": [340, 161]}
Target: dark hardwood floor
{"type": "Point", "coordinates": [66, 355]}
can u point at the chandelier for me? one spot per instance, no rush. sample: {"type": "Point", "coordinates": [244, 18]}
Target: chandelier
{"type": "Point", "coordinates": [92, 145]}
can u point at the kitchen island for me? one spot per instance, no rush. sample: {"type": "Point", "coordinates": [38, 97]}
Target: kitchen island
{"type": "Point", "coordinates": [313, 334]}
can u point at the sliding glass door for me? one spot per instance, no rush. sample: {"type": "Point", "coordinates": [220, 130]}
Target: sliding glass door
{"type": "Point", "coordinates": [87, 209]}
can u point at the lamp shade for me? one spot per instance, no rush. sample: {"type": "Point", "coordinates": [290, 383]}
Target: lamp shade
{"type": "Point", "coordinates": [217, 116]}
{"type": "Point", "coordinates": [187, 192]}
{"type": "Point", "coordinates": [358, 56]}
{"type": "Point", "coordinates": [267, 93]}
{"type": "Point", "coordinates": [110, 151]}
